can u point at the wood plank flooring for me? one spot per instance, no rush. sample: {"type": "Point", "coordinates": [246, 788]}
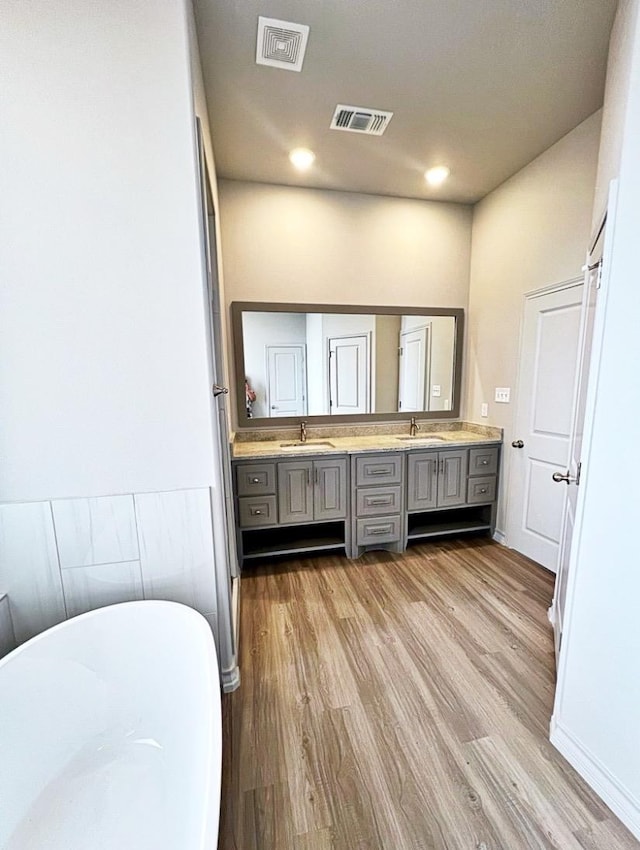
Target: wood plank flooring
{"type": "Point", "coordinates": [401, 702]}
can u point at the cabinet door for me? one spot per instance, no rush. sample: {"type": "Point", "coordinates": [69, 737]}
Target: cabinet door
{"type": "Point", "coordinates": [330, 489]}
{"type": "Point", "coordinates": [423, 476]}
{"type": "Point", "coordinates": [452, 478]}
{"type": "Point", "coordinates": [295, 491]}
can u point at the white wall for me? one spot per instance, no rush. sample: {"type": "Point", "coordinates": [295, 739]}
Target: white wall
{"type": "Point", "coordinates": [312, 246]}
{"type": "Point", "coordinates": [598, 695]}
{"type": "Point", "coordinates": [103, 384]}
{"type": "Point", "coordinates": [316, 389]}
{"type": "Point", "coordinates": [387, 338]}
{"type": "Point", "coordinates": [528, 233]}
{"type": "Point", "coordinates": [443, 339]}
{"type": "Point", "coordinates": [616, 98]}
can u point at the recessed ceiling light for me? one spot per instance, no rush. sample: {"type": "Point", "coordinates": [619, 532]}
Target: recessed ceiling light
{"type": "Point", "coordinates": [302, 158]}
{"type": "Point", "coordinates": [436, 176]}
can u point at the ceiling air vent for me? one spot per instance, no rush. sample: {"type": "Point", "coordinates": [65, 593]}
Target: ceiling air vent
{"type": "Point", "coordinates": [359, 119]}
{"type": "Point", "coordinates": [281, 44]}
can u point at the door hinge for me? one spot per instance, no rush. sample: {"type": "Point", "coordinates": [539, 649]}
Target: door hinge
{"type": "Point", "coordinates": [330, 354]}
{"type": "Point", "coordinates": [400, 352]}
{"type": "Point", "coordinates": [590, 268]}
{"type": "Point", "coordinates": [330, 403]}
{"type": "Point", "coordinates": [399, 405]}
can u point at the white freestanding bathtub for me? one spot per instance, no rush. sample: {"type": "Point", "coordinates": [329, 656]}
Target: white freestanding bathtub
{"type": "Point", "coordinates": [110, 733]}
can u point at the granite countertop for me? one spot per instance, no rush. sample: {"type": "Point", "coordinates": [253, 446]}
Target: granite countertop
{"type": "Point", "coordinates": [356, 443]}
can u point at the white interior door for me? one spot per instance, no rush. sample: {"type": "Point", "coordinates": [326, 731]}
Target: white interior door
{"type": "Point", "coordinates": [593, 277]}
{"type": "Point", "coordinates": [227, 577]}
{"type": "Point", "coordinates": [543, 422]}
{"type": "Point", "coordinates": [286, 380]}
{"type": "Point", "coordinates": [414, 370]}
{"type": "Point", "coordinates": [349, 374]}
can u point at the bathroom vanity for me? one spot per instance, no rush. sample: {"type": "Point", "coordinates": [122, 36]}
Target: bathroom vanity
{"type": "Point", "coordinates": [363, 477]}
{"type": "Point", "coordinates": [351, 494]}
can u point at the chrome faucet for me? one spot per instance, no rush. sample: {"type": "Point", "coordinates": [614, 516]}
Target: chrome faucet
{"type": "Point", "coordinates": [413, 427]}
{"type": "Point", "coordinates": [303, 432]}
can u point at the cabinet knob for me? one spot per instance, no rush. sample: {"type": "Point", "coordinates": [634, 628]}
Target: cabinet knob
{"type": "Point", "coordinates": [484, 462]}
{"type": "Point", "coordinates": [483, 490]}
{"type": "Point", "coordinates": [255, 480]}
{"type": "Point", "coordinates": [257, 513]}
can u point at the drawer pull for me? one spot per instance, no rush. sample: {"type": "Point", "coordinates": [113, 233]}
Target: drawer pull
{"type": "Point", "coordinates": [379, 529]}
{"type": "Point", "coordinates": [383, 500]}
{"type": "Point", "coordinates": [378, 472]}
{"type": "Point", "coordinates": [256, 513]}
{"type": "Point", "coordinates": [484, 462]}
{"type": "Point", "coordinates": [255, 480]}
{"type": "Point", "coordinates": [482, 490]}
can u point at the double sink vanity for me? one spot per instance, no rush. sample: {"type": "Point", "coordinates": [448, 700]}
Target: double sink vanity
{"type": "Point", "coordinates": [363, 477]}
{"type": "Point", "coordinates": [356, 492]}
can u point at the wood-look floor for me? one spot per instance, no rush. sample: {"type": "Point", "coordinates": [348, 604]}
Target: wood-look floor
{"type": "Point", "coordinates": [401, 702]}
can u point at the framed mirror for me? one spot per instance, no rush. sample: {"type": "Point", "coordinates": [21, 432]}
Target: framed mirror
{"type": "Point", "coordinates": [322, 363]}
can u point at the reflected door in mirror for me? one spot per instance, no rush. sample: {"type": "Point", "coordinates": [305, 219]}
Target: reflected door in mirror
{"type": "Point", "coordinates": [349, 375]}
{"type": "Point", "coordinates": [286, 380]}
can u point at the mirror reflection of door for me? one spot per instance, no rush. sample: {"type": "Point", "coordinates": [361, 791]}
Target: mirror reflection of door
{"type": "Point", "coordinates": [414, 370]}
{"type": "Point", "coordinates": [349, 374]}
{"type": "Point", "coordinates": [286, 380]}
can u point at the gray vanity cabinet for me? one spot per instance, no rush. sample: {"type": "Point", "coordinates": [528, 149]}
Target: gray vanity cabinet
{"type": "Point", "coordinates": [292, 506]}
{"type": "Point", "coordinates": [437, 480]}
{"type": "Point", "coordinates": [452, 478]}
{"type": "Point", "coordinates": [451, 491]}
{"type": "Point", "coordinates": [312, 490]}
{"type": "Point", "coordinates": [295, 491]}
{"type": "Point", "coordinates": [377, 503]}
{"type": "Point", "coordinates": [330, 489]}
{"type": "Point", "coordinates": [387, 500]}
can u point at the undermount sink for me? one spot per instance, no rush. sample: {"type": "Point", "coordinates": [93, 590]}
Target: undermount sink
{"type": "Point", "coordinates": [300, 445]}
{"type": "Point", "coordinates": [422, 438]}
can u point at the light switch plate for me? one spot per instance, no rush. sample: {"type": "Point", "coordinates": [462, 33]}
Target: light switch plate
{"type": "Point", "coordinates": [484, 409]}
{"type": "Point", "coordinates": [435, 390]}
{"type": "Point", "coordinates": [503, 395]}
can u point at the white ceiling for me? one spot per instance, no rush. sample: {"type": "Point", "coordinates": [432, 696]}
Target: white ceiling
{"type": "Point", "coordinates": [483, 86]}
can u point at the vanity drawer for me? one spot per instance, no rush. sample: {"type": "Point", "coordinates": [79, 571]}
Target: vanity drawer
{"type": "Point", "coordinates": [481, 489]}
{"type": "Point", "coordinates": [256, 479]}
{"type": "Point", "coordinates": [257, 510]}
{"type": "Point", "coordinates": [369, 531]}
{"type": "Point", "coordinates": [377, 501]}
{"type": "Point", "coordinates": [379, 469]}
{"type": "Point", "coordinates": [483, 461]}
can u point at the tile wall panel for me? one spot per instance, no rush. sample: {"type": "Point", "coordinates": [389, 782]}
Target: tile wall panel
{"type": "Point", "coordinates": [29, 570]}
{"type": "Point", "coordinates": [7, 638]}
{"type": "Point", "coordinates": [95, 531]}
{"type": "Point", "coordinates": [176, 547]}
{"type": "Point", "coordinates": [87, 588]}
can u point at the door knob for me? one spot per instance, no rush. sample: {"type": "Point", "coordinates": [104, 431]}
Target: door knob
{"type": "Point", "coordinates": [517, 444]}
{"type": "Point", "coordinates": [567, 478]}
{"type": "Point", "coordinates": [218, 390]}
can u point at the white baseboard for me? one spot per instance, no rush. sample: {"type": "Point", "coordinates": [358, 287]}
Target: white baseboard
{"type": "Point", "coordinates": [603, 782]}
{"type": "Point", "coordinates": [500, 537]}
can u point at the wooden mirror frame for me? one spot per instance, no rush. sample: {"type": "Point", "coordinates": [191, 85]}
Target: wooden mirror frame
{"type": "Point", "coordinates": [240, 307]}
